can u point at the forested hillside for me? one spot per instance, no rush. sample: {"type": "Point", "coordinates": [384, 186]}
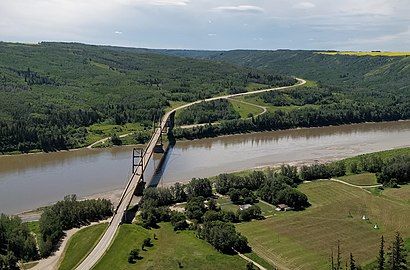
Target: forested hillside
{"type": "Point", "coordinates": [50, 92]}
{"type": "Point", "coordinates": [350, 71]}
{"type": "Point", "coordinates": [345, 89]}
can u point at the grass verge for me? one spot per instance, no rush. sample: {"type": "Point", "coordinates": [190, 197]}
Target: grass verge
{"type": "Point", "coordinates": [80, 244]}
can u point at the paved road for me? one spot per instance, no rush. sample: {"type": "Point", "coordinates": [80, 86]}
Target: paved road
{"type": "Point", "coordinates": [128, 193]}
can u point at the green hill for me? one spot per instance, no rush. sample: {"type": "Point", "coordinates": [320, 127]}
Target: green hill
{"type": "Point", "coordinates": [50, 93]}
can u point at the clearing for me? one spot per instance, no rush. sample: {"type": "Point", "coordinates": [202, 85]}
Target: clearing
{"type": "Point", "coordinates": [304, 240]}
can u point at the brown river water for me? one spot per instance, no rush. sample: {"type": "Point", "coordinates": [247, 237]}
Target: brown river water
{"type": "Point", "coordinates": [34, 180]}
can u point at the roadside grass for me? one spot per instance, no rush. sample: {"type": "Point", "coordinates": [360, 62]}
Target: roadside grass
{"type": "Point", "coordinates": [80, 244]}
{"type": "Point", "coordinates": [245, 109]}
{"type": "Point", "coordinates": [174, 104]}
{"type": "Point", "coordinates": [29, 265]}
{"type": "Point", "coordinates": [304, 240]}
{"type": "Point", "coordinates": [170, 249]}
{"type": "Point", "coordinates": [259, 260]}
{"type": "Point", "coordinates": [256, 86]}
{"type": "Point", "coordinates": [367, 53]}
{"type": "Point", "coordinates": [309, 83]}
{"type": "Point", "coordinates": [362, 179]}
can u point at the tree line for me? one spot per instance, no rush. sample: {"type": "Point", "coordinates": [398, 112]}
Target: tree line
{"type": "Point", "coordinates": [67, 214]}
{"type": "Point", "coordinates": [330, 114]}
{"type": "Point", "coordinates": [390, 172]}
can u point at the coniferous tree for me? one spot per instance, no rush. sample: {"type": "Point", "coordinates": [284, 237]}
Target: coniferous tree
{"type": "Point", "coordinates": [339, 258]}
{"type": "Point", "coordinates": [381, 260]}
{"type": "Point", "coordinates": [352, 263]}
{"type": "Point", "coordinates": [397, 254]}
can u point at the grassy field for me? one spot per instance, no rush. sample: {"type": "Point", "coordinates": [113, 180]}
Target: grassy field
{"type": "Point", "coordinates": [169, 249]}
{"type": "Point", "coordinates": [80, 245]}
{"type": "Point", "coordinates": [384, 154]}
{"type": "Point", "coordinates": [227, 205]}
{"type": "Point", "coordinates": [401, 194]}
{"type": "Point", "coordinates": [99, 131]}
{"type": "Point", "coordinates": [257, 100]}
{"type": "Point", "coordinates": [368, 53]}
{"type": "Point", "coordinates": [362, 179]}
{"type": "Point", "coordinates": [245, 109]}
{"type": "Point", "coordinates": [304, 240]}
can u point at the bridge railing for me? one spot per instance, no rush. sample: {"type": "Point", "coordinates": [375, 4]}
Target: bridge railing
{"type": "Point", "coordinates": [141, 162]}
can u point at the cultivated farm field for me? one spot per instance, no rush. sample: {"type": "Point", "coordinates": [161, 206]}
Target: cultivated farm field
{"type": "Point", "coordinates": [305, 240]}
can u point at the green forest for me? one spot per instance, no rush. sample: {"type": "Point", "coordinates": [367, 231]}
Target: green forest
{"type": "Point", "coordinates": [50, 93]}
{"type": "Point", "coordinates": [56, 96]}
{"type": "Point", "coordinates": [343, 89]}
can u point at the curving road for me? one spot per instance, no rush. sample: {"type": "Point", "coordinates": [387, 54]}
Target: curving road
{"type": "Point", "coordinates": [128, 193]}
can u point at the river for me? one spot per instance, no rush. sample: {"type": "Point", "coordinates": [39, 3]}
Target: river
{"type": "Point", "coordinates": [34, 180]}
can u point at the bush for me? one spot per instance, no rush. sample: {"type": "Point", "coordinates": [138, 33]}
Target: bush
{"type": "Point", "coordinates": [146, 243]}
{"type": "Point", "coordinates": [230, 216]}
{"type": "Point", "coordinates": [253, 212]}
{"type": "Point", "coordinates": [134, 255]}
{"type": "Point", "coordinates": [293, 198]}
{"type": "Point", "coordinates": [151, 214]}
{"type": "Point", "coordinates": [116, 140]}
{"type": "Point", "coordinates": [223, 236]}
{"type": "Point", "coordinates": [181, 225]}
{"type": "Point", "coordinates": [199, 187]}
{"type": "Point", "coordinates": [195, 208]}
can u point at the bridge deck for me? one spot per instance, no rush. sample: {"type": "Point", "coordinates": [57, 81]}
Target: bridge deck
{"type": "Point", "coordinates": [134, 180]}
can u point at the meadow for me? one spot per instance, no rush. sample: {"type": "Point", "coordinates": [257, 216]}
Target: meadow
{"type": "Point", "coordinates": [305, 240]}
{"type": "Point", "coordinates": [362, 179]}
{"type": "Point", "coordinates": [170, 250]}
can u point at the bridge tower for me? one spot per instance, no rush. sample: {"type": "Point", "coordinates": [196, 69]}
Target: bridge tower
{"type": "Point", "coordinates": [138, 161]}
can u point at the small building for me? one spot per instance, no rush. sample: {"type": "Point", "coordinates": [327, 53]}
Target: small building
{"type": "Point", "coordinates": [283, 207]}
{"type": "Point", "coordinates": [244, 207]}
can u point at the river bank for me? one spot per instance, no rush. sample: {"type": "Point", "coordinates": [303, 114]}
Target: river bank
{"type": "Point", "coordinates": [115, 195]}
{"type": "Point", "coordinates": [31, 181]}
